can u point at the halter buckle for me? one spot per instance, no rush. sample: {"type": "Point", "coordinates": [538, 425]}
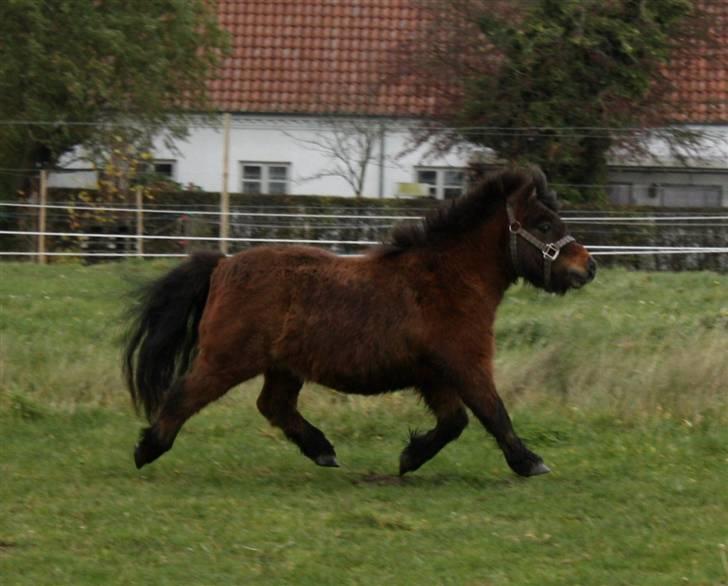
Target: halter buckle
{"type": "Point", "coordinates": [551, 252]}
{"type": "Point", "coordinates": [514, 227]}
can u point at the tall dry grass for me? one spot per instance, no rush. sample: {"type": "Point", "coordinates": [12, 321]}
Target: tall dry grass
{"type": "Point", "coordinates": [631, 344]}
{"type": "Point", "coordinates": [687, 378]}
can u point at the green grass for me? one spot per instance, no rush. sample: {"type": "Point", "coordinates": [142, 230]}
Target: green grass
{"type": "Point", "coordinates": [620, 387]}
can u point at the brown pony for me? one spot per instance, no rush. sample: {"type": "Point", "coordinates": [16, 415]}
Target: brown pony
{"type": "Point", "coordinates": [416, 312]}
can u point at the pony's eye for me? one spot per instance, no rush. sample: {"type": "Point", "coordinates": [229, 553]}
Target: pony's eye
{"type": "Point", "coordinates": [544, 226]}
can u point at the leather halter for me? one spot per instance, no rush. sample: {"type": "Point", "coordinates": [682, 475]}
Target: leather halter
{"type": "Point", "coordinates": [550, 250]}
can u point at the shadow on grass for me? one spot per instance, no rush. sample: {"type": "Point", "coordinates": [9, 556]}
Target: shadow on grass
{"type": "Point", "coordinates": [423, 480]}
{"type": "Point", "coordinates": [303, 480]}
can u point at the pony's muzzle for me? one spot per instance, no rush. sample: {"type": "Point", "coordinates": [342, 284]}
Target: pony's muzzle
{"type": "Point", "coordinates": [591, 269]}
{"type": "Point", "coordinates": [579, 276]}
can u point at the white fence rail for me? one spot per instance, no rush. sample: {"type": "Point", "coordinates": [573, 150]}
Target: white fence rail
{"type": "Point", "coordinates": [603, 219]}
{"type": "Point", "coordinates": [38, 215]}
{"type": "Point", "coordinates": [139, 238]}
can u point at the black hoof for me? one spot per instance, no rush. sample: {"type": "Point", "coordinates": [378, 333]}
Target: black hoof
{"type": "Point", "coordinates": [407, 463]}
{"type": "Point", "coordinates": [538, 469]}
{"type": "Point", "coordinates": [529, 464]}
{"type": "Point", "coordinates": [149, 448]}
{"type": "Point", "coordinates": [139, 457]}
{"type": "Point", "coordinates": [326, 460]}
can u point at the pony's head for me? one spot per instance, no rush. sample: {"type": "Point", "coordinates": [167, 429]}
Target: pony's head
{"type": "Point", "coordinates": [537, 246]}
{"type": "Point", "coordinates": [540, 247]}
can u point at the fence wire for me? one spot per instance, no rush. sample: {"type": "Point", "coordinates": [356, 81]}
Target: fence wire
{"type": "Point", "coordinates": [171, 231]}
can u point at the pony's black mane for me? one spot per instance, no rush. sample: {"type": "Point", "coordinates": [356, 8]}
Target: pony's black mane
{"type": "Point", "coordinates": [464, 213]}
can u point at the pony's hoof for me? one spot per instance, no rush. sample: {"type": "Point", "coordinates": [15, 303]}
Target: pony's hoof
{"type": "Point", "coordinates": [327, 460]}
{"type": "Point", "coordinates": [539, 468]}
{"type": "Point", "coordinates": [149, 448]}
{"type": "Point", "coordinates": [528, 464]}
{"type": "Point", "coordinates": [139, 459]}
{"type": "Point", "coordinates": [406, 463]}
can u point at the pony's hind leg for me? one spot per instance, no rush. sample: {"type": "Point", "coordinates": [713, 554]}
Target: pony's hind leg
{"type": "Point", "coordinates": [451, 420]}
{"type": "Point", "coordinates": [204, 383]}
{"type": "Point", "coordinates": [278, 403]}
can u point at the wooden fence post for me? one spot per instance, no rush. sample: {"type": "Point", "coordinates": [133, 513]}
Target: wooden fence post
{"type": "Point", "coordinates": [43, 197]}
{"type": "Point", "coordinates": [140, 220]}
{"type": "Point", "coordinates": [382, 157]}
{"type": "Point", "coordinates": [224, 194]}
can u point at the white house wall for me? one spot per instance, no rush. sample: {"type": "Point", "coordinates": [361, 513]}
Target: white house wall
{"type": "Point", "coordinates": [686, 177]}
{"type": "Point", "coordinates": [199, 158]}
{"type": "Point", "coordinates": [710, 151]}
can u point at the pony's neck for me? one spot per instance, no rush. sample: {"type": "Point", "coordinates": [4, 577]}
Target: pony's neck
{"type": "Point", "coordinates": [483, 255]}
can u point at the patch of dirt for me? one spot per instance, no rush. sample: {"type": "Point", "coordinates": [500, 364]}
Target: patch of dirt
{"type": "Point", "coordinates": [380, 479]}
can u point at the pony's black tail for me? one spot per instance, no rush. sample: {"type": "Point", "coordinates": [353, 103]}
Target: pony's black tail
{"type": "Point", "coordinates": [163, 334]}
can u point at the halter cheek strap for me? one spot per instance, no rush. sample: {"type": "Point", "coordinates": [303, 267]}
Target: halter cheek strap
{"type": "Point", "coordinates": [550, 250]}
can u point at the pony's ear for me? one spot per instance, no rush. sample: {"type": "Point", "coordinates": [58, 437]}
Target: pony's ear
{"type": "Point", "coordinates": [524, 193]}
{"type": "Point", "coordinates": [539, 179]}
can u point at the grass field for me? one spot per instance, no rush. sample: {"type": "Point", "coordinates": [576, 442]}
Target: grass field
{"type": "Point", "coordinates": [621, 387]}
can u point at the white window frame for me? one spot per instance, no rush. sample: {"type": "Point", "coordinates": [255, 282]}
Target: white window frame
{"type": "Point", "coordinates": [437, 190]}
{"type": "Point", "coordinates": [265, 177]}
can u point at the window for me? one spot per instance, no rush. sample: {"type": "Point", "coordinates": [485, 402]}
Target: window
{"type": "Point", "coordinates": [620, 193]}
{"type": "Point", "coordinates": [670, 195]}
{"type": "Point", "coordinates": [443, 183]}
{"type": "Point", "coordinates": [689, 196]}
{"type": "Point", "coordinates": [165, 168]}
{"type": "Point", "coordinates": [269, 178]}
{"type": "Point", "coordinates": [159, 169]}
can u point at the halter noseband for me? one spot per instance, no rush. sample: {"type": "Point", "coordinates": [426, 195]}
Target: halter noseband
{"type": "Point", "coordinates": [550, 250]}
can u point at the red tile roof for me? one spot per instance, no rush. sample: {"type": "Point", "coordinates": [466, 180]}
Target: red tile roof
{"type": "Point", "coordinates": [333, 56]}
{"type": "Point", "coordinates": [314, 56]}
{"type": "Point", "coordinates": [699, 74]}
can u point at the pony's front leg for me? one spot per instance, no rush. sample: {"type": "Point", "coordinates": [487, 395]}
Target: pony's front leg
{"type": "Point", "coordinates": [482, 399]}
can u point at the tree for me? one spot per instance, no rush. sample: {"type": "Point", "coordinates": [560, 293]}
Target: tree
{"type": "Point", "coordinates": [559, 82]}
{"type": "Point", "coordinates": [350, 145]}
{"type": "Point", "coordinates": [74, 72]}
